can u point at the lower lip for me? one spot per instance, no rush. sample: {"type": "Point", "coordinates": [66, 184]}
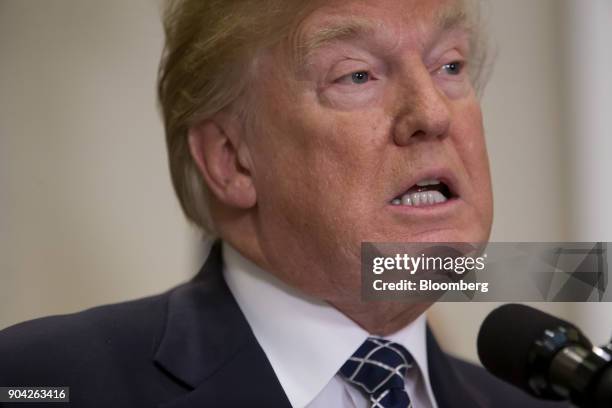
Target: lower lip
{"type": "Point", "coordinates": [439, 209]}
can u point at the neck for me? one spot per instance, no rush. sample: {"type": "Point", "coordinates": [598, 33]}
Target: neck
{"type": "Point", "coordinates": [377, 318]}
{"type": "Point", "coordinates": [383, 318]}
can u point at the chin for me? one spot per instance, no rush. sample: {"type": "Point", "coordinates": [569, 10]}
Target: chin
{"type": "Point", "coordinates": [449, 235]}
{"type": "Point", "coordinates": [444, 234]}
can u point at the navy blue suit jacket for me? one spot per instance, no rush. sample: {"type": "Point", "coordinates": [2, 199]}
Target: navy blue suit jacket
{"type": "Point", "coordinates": [188, 347]}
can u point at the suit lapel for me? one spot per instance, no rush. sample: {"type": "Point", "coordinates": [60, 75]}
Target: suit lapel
{"type": "Point", "coordinates": [449, 387]}
{"type": "Point", "coordinates": [209, 347]}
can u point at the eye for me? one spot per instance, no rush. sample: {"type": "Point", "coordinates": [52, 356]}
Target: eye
{"type": "Point", "coordinates": [360, 77]}
{"type": "Point", "coordinates": [357, 78]}
{"type": "Point", "coordinates": [454, 68]}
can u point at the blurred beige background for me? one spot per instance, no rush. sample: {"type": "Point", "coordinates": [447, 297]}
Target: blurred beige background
{"type": "Point", "coordinates": [87, 212]}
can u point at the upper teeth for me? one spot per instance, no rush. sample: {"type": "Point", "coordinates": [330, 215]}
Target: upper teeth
{"type": "Point", "coordinates": [425, 183]}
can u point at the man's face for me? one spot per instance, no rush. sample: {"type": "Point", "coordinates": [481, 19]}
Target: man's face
{"type": "Point", "coordinates": [380, 101]}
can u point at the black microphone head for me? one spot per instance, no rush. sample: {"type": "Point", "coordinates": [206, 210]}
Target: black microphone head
{"type": "Point", "coordinates": [507, 338]}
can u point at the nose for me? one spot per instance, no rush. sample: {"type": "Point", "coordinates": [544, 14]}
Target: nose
{"type": "Point", "coordinates": [424, 112]}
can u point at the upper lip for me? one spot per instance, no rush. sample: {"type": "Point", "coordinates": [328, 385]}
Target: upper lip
{"type": "Point", "coordinates": [443, 175]}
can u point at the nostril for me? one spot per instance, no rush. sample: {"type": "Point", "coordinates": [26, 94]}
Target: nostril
{"type": "Point", "coordinates": [419, 134]}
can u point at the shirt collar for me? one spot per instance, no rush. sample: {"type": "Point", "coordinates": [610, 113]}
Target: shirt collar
{"type": "Point", "coordinates": [305, 339]}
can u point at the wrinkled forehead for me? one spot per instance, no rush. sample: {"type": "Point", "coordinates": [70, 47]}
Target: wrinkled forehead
{"type": "Point", "coordinates": [386, 18]}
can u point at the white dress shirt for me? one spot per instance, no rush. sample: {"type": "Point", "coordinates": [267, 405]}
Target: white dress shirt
{"type": "Point", "coordinates": [307, 340]}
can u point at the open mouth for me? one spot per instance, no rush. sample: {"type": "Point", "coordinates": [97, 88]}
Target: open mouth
{"type": "Point", "coordinates": [425, 193]}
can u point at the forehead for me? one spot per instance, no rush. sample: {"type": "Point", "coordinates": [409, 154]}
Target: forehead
{"type": "Point", "coordinates": [394, 19]}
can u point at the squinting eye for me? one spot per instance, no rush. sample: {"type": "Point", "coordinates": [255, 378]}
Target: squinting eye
{"type": "Point", "coordinates": [358, 78]}
{"type": "Point", "coordinates": [454, 68]}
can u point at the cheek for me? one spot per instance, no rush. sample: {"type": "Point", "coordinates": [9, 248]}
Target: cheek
{"type": "Point", "coordinates": [473, 153]}
{"type": "Point", "coordinates": [313, 165]}
{"type": "Point", "coordinates": [470, 142]}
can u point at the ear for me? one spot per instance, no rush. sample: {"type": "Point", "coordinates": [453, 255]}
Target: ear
{"type": "Point", "coordinates": [219, 151]}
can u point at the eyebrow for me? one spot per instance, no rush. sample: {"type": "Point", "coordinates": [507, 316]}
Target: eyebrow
{"type": "Point", "coordinates": [446, 19]}
{"type": "Point", "coordinates": [344, 30]}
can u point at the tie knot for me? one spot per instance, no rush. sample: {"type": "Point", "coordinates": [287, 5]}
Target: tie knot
{"type": "Point", "coordinates": [378, 367]}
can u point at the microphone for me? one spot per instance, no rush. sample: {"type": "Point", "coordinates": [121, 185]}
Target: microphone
{"type": "Point", "coordinates": [545, 356]}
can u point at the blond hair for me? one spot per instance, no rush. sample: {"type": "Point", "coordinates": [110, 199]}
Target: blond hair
{"type": "Point", "coordinates": [209, 49]}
